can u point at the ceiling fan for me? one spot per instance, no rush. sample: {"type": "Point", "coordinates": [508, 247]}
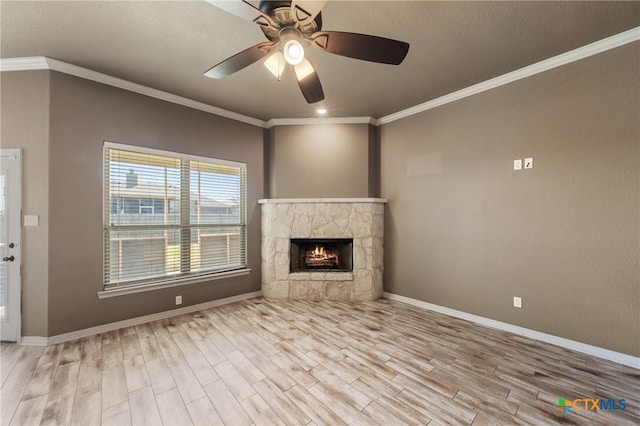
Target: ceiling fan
{"type": "Point", "coordinates": [293, 26]}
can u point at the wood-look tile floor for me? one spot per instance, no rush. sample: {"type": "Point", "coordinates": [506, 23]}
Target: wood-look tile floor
{"type": "Point", "coordinates": [299, 363]}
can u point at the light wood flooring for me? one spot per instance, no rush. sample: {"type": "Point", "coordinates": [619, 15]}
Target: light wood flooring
{"type": "Point", "coordinates": [304, 363]}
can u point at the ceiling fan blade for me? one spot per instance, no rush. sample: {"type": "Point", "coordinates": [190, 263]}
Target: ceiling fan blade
{"type": "Point", "coordinates": [244, 10]}
{"type": "Point", "coordinates": [362, 46]}
{"type": "Point", "coordinates": [305, 11]}
{"type": "Point", "coordinates": [309, 82]}
{"type": "Point", "coordinates": [240, 60]}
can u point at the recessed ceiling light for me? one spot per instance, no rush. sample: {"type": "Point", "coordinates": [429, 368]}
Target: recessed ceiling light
{"type": "Point", "coordinates": [321, 111]}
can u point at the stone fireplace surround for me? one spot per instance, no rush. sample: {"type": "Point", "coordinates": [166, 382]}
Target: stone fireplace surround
{"type": "Point", "coordinates": [359, 218]}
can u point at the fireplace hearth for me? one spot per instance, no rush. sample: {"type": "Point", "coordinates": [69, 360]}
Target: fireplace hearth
{"type": "Point", "coordinates": [321, 254]}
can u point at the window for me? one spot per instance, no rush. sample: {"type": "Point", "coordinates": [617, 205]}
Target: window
{"type": "Point", "coordinates": [168, 216]}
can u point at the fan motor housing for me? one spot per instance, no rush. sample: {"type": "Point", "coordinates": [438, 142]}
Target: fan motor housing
{"type": "Point", "coordinates": [281, 13]}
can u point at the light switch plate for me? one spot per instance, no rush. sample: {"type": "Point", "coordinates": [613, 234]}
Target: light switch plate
{"type": "Point", "coordinates": [528, 163]}
{"type": "Point", "coordinates": [517, 164]}
{"type": "Point", "coordinates": [31, 220]}
{"type": "Point", "coordinates": [517, 302]}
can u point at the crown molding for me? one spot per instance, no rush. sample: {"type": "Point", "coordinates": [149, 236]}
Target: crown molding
{"type": "Point", "coordinates": [77, 71]}
{"type": "Point", "coordinates": [23, 64]}
{"type": "Point", "coordinates": [557, 61]}
{"type": "Point", "coordinates": [44, 63]}
{"type": "Point", "coordinates": [319, 120]}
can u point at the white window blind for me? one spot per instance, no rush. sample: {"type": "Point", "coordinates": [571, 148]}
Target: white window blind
{"type": "Point", "coordinates": [170, 216]}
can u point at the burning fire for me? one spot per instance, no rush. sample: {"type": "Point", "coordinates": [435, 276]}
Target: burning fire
{"type": "Point", "coordinates": [319, 257]}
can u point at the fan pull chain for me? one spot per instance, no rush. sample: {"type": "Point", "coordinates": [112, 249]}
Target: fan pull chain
{"type": "Point", "coordinates": [279, 74]}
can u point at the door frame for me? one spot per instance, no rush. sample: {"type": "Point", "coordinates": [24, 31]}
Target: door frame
{"type": "Point", "coordinates": [14, 234]}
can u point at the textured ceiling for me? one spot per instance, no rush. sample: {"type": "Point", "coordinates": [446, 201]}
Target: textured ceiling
{"type": "Point", "coordinates": [169, 45]}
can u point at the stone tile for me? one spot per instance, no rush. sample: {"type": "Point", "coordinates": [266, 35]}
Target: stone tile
{"type": "Point", "coordinates": [275, 289]}
{"type": "Point", "coordinates": [300, 276]}
{"type": "Point", "coordinates": [338, 290]}
{"type": "Point", "coordinates": [306, 290]}
{"type": "Point", "coordinates": [338, 276]}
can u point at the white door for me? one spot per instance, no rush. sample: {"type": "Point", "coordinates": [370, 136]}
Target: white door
{"type": "Point", "coordinates": [10, 247]}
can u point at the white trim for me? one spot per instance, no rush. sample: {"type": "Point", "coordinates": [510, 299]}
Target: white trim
{"type": "Point", "coordinates": [33, 341]}
{"type": "Point", "coordinates": [24, 64]}
{"type": "Point", "coordinates": [584, 348]}
{"type": "Point", "coordinates": [14, 234]}
{"type": "Point", "coordinates": [18, 239]}
{"type": "Point", "coordinates": [548, 64]}
{"type": "Point", "coordinates": [320, 200]}
{"type": "Point", "coordinates": [77, 71]}
{"type": "Point", "coordinates": [43, 63]}
{"type": "Point", "coordinates": [42, 341]}
{"type": "Point", "coordinates": [319, 120]}
{"type": "Point", "coordinates": [114, 292]}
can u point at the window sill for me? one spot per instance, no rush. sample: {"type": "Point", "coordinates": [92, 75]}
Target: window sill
{"type": "Point", "coordinates": [114, 292]}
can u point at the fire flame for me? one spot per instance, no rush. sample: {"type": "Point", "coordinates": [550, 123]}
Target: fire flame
{"type": "Point", "coordinates": [321, 257]}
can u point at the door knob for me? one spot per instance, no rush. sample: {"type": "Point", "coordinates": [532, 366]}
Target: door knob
{"type": "Point", "coordinates": [9, 259]}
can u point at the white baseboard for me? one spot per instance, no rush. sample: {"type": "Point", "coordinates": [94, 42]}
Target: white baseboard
{"type": "Point", "coordinates": [33, 341]}
{"type": "Point", "coordinates": [43, 341]}
{"type": "Point", "coordinates": [596, 351]}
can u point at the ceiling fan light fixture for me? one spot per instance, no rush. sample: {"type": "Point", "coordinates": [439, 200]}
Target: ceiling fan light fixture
{"type": "Point", "coordinates": [290, 26]}
{"type": "Point", "coordinates": [275, 63]}
{"type": "Point", "coordinates": [293, 52]}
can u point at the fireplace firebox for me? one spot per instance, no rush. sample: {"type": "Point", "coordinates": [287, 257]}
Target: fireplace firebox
{"type": "Point", "coordinates": [323, 254]}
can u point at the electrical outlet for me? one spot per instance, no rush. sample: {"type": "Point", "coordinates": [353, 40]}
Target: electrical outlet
{"type": "Point", "coordinates": [528, 163]}
{"type": "Point", "coordinates": [517, 302]}
{"type": "Point", "coordinates": [178, 300]}
{"type": "Point", "coordinates": [517, 164]}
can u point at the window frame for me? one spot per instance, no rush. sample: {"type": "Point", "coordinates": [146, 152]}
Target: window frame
{"type": "Point", "coordinates": [182, 278]}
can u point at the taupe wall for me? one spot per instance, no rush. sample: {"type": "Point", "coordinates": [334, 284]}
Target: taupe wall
{"type": "Point", "coordinates": [84, 114]}
{"type": "Point", "coordinates": [465, 231]}
{"type": "Point", "coordinates": [25, 125]}
{"type": "Point", "coordinates": [321, 161]}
